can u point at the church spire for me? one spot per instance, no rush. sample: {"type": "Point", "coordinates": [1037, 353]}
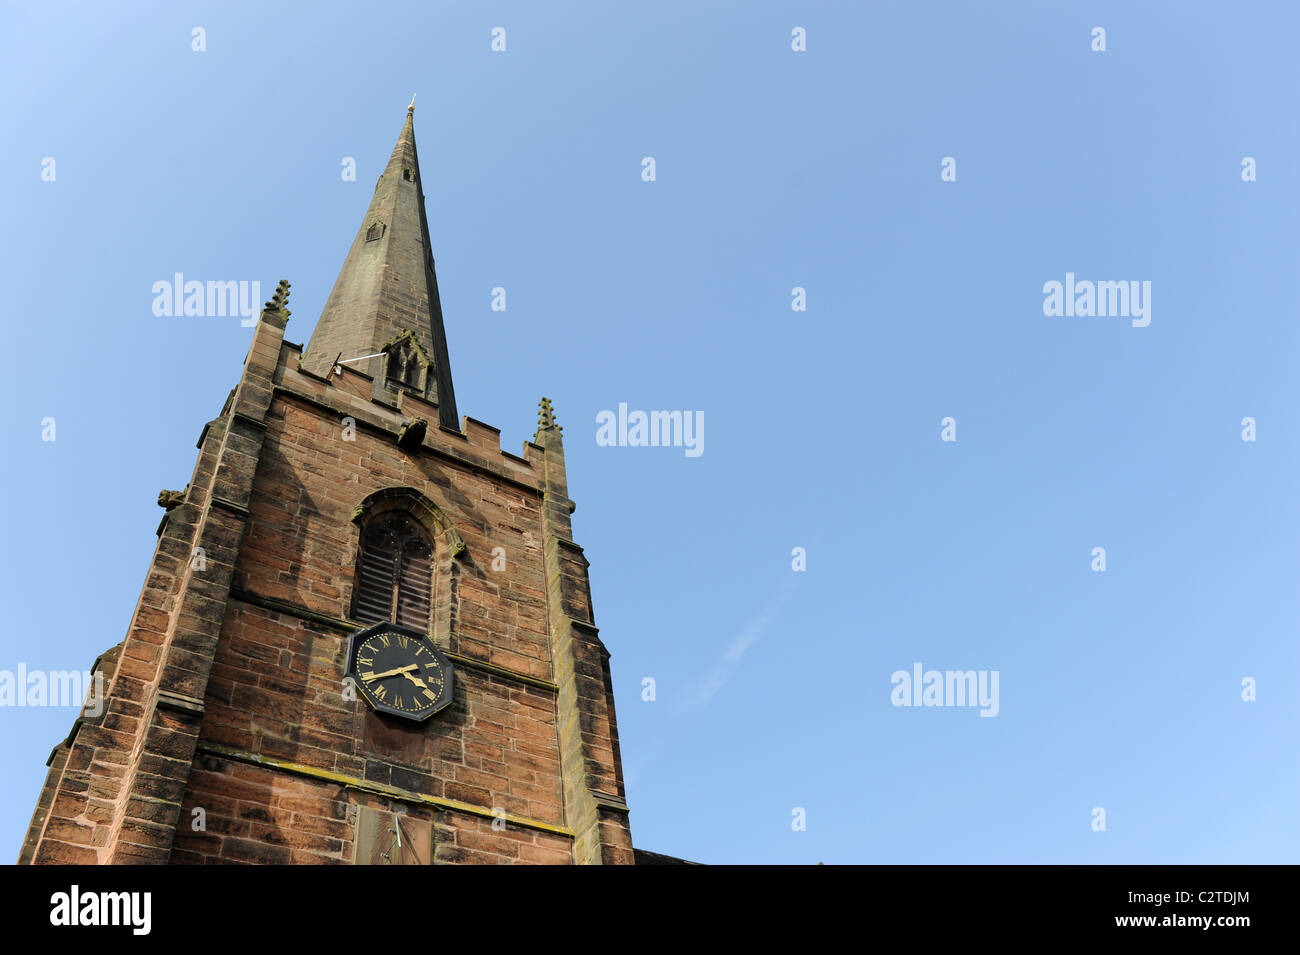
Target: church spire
{"type": "Point", "coordinates": [385, 299]}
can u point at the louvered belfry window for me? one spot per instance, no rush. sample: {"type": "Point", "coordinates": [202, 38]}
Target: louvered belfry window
{"type": "Point", "coordinates": [394, 573]}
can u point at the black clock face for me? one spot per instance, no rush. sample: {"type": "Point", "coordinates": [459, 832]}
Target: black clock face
{"type": "Point", "coordinates": [398, 672]}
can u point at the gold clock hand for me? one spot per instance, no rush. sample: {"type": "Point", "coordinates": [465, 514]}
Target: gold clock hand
{"type": "Point", "coordinates": [379, 676]}
{"type": "Point", "coordinates": [421, 684]}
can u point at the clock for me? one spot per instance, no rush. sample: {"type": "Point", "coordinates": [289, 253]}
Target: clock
{"type": "Point", "coordinates": [399, 672]}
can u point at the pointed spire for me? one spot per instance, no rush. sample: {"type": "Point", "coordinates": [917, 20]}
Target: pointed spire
{"type": "Point", "coordinates": [387, 286]}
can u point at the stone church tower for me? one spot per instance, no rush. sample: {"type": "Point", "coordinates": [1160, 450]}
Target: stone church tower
{"type": "Point", "coordinates": [339, 493]}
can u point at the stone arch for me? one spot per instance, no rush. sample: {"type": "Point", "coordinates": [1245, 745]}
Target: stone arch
{"type": "Point", "coordinates": [420, 507]}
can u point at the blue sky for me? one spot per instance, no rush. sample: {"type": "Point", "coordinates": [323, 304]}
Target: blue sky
{"type": "Point", "coordinates": [774, 169]}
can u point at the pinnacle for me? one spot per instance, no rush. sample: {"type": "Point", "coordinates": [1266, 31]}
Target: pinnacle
{"type": "Point", "coordinates": [280, 300]}
{"type": "Point", "coordinates": [546, 416]}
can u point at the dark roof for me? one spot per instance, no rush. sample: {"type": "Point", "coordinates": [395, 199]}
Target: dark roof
{"type": "Point", "coordinates": [646, 857]}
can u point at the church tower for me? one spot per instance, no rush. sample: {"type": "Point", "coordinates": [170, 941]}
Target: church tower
{"type": "Point", "coordinates": [366, 635]}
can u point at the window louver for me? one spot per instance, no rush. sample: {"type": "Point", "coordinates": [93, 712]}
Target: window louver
{"type": "Point", "coordinates": [413, 585]}
{"type": "Point", "coordinates": [394, 573]}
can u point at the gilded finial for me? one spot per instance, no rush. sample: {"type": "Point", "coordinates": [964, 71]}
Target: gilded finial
{"type": "Point", "coordinates": [411, 108]}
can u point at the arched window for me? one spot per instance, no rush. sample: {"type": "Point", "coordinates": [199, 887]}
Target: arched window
{"type": "Point", "coordinates": [394, 572]}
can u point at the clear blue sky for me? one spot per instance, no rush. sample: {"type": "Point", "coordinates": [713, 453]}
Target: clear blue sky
{"type": "Point", "coordinates": [775, 169]}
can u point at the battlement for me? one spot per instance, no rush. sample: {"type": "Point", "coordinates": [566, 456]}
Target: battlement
{"type": "Point", "coordinates": [349, 392]}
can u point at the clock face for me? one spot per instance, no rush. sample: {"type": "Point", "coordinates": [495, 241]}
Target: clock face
{"type": "Point", "coordinates": [399, 672]}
